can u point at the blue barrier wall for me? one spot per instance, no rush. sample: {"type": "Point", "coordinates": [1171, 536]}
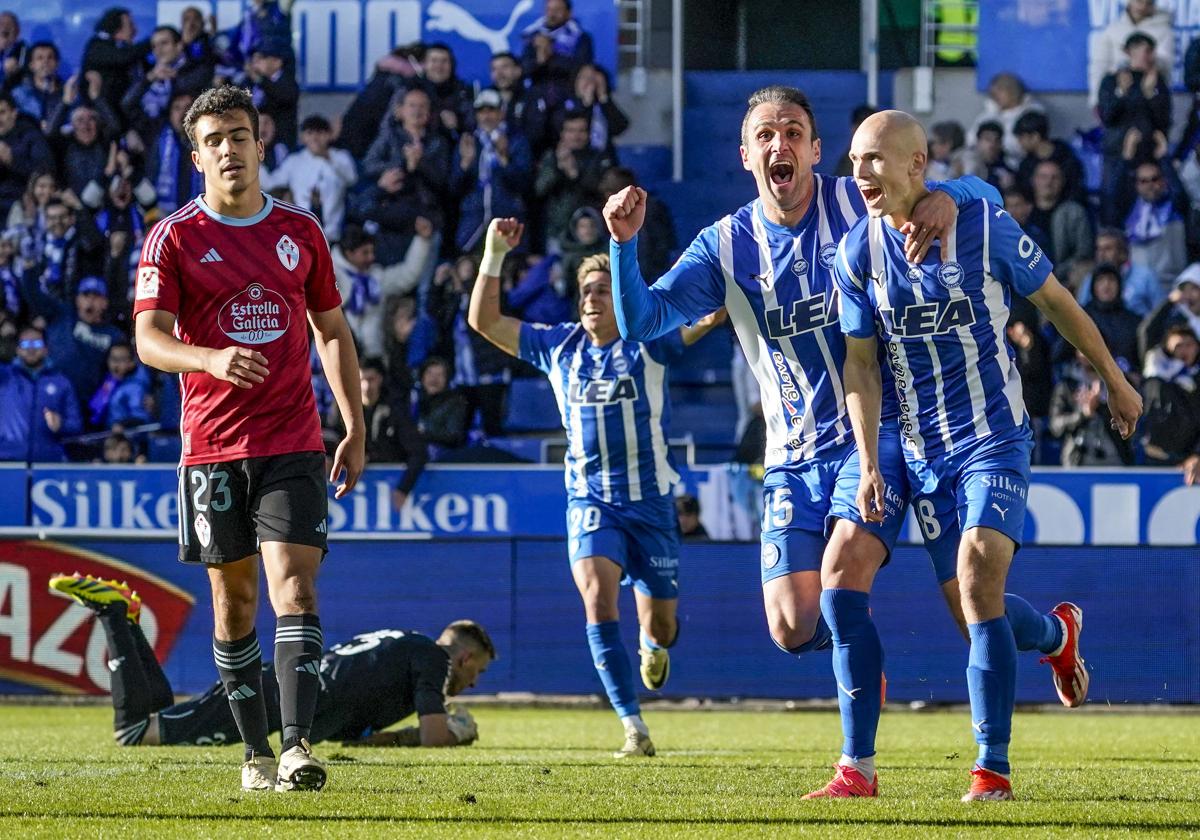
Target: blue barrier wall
{"type": "Point", "coordinates": [1066, 507]}
{"type": "Point", "coordinates": [1141, 640]}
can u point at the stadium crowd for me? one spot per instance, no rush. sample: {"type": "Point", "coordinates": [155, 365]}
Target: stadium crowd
{"type": "Point", "coordinates": [406, 180]}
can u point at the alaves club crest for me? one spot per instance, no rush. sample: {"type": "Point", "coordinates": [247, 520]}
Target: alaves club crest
{"type": "Point", "coordinates": [288, 253]}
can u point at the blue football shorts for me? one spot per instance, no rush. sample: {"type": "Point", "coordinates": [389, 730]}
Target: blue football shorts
{"type": "Point", "coordinates": [641, 537]}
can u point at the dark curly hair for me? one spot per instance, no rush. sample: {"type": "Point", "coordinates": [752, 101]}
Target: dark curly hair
{"type": "Point", "coordinates": [216, 102]}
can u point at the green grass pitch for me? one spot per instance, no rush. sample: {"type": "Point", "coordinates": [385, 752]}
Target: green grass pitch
{"type": "Point", "coordinates": [547, 773]}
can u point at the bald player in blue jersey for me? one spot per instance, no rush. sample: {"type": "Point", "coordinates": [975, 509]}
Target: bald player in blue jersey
{"type": "Point", "coordinates": [613, 398]}
{"type": "Point", "coordinates": [966, 435]}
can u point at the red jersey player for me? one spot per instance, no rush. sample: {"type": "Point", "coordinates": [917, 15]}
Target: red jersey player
{"type": "Point", "coordinates": [226, 289]}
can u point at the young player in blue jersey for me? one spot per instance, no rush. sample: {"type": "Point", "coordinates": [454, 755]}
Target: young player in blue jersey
{"type": "Point", "coordinates": [966, 436]}
{"type": "Point", "coordinates": [770, 265]}
{"type": "Point", "coordinates": [612, 395]}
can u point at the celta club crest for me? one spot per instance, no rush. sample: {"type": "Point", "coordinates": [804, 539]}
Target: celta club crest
{"type": "Point", "coordinates": [827, 254]}
{"type": "Point", "coordinates": [950, 275]}
{"type": "Point", "coordinates": [289, 253]}
{"type": "Point", "coordinates": [445, 16]}
{"type": "Point", "coordinates": [800, 267]}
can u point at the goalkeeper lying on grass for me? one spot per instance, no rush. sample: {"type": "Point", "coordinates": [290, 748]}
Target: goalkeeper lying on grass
{"type": "Point", "coordinates": [367, 684]}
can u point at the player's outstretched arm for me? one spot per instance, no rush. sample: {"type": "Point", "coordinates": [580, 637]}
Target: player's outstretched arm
{"type": "Point", "coordinates": [335, 346]}
{"type": "Point", "coordinates": [1068, 317]}
{"type": "Point", "coordinates": [158, 347]}
{"type": "Point", "coordinates": [483, 313]}
{"type": "Point", "coordinates": [432, 731]}
{"type": "Point", "coordinates": [693, 288]}
{"type": "Point", "coordinates": [864, 396]}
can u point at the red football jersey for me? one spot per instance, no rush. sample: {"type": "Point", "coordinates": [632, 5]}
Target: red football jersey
{"type": "Point", "coordinates": [248, 282]}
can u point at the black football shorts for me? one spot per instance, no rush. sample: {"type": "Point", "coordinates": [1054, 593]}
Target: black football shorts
{"type": "Point", "coordinates": [227, 510]}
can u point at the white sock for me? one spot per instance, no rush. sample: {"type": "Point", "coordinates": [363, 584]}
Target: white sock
{"type": "Point", "coordinates": [635, 722]}
{"type": "Point", "coordinates": [1062, 646]}
{"type": "Point", "coordinates": [865, 766]}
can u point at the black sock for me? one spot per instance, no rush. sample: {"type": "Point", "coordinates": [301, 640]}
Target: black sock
{"type": "Point", "coordinates": [240, 664]}
{"type": "Point", "coordinates": [161, 695]}
{"type": "Point", "coordinates": [298, 648]}
{"type": "Point", "coordinates": [131, 695]}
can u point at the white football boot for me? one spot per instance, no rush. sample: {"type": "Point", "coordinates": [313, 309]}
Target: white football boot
{"type": "Point", "coordinates": [299, 770]}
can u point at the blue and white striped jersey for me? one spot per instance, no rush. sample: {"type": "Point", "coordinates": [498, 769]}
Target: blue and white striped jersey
{"type": "Point", "coordinates": [776, 285]}
{"type": "Point", "coordinates": [943, 322]}
{"type": "Point", "coordinates": [615, 409]}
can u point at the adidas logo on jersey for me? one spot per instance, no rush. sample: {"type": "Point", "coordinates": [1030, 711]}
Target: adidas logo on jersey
{"type": "Point", "coordinates": [211, 257]}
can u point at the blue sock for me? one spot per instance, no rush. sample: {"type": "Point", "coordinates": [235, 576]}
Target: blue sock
{"type": "Point", "coordinates": [612, 664]}
{"type": "Point", "coordinates": [1032, 630]}
{"type": "Point", "coordinates": [857, 666]}
{"type": "Point", "coordinates": [992, 684]}
{"type": "Point", "coordinates": [822, 639]}
{"type": "Point", "coordinates": [646, 642]}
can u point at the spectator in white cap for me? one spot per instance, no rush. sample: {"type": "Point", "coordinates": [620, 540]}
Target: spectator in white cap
{"type": "Point", "coordinates": [1182, 307]}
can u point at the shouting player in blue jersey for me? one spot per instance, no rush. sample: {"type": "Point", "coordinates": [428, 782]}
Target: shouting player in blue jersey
{"type": "Point", "coordinates": [621, 524]}
{"type": "Point", "coordinates": [966, 436]}
{"type": "Point", "coordinates": [770, 265]}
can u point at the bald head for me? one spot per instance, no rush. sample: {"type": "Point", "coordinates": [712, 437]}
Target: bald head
{"type": "Point", "coordinates": [889, 152]}
{"type": "Point", "coordinates": [894, 130]}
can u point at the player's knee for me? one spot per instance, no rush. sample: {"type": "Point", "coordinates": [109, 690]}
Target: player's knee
{"type": "Point", "coordinates": [795, 640]}
{"type": "Point", "coordinates": [233, 611]}
{"type": "Point", "coordinates": [294, 595]}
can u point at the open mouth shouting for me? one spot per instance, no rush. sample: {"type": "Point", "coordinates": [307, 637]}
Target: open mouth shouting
{"type": "Point", "coordinates": [870, 193]}
{"type": "Point", "coordinates": [782, 172]}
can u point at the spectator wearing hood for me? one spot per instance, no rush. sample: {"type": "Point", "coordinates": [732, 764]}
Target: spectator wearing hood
{"type": "Point", "coordinates": [1140, 286]}
{"type": "Point", "coordinates": [1171, 421]}
{"type": "Point", "coordinates": [491, 170]}
{"type": "Point", "coordinates": [40, 405]}
{"type": "Point", "coordinates": [568, 176]}
{"type": "Point", "coordinates": [450, 96]}
{"type": "Point", "coordinates": [1117, 324]}
{"type": "Point", "coordinates": [586, 236]}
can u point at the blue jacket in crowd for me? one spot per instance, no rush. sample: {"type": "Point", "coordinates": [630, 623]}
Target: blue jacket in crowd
{"type": "Point", "coordinates": [25, 396]}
